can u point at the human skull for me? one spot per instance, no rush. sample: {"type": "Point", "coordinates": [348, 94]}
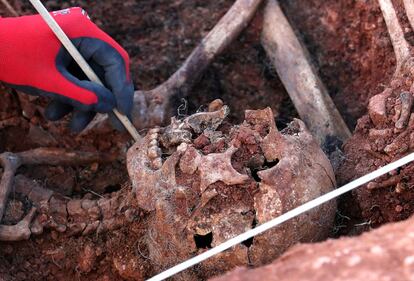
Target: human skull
{"type": "Point", "coordinates": [205, 181]}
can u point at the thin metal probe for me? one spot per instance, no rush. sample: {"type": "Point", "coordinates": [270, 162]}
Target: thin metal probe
{"type": "Point", "coordinates": [76, 55]}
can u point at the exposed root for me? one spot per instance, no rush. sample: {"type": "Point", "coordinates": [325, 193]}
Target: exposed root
{"type": "Point", "coordinates": [152, 108]}
{"type": "Point", "coordinates": [12, 161]}
{"type": "Point", "coordinates": [301, 81]}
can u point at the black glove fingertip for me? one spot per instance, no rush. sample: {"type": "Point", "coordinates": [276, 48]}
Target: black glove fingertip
{"type": "Point", "coordinates": [116, 124]}
{"type": "Point", "coordinates": [125, 100]}
{"type": "Point", "coordinates": [56, 110]}
{"type": "Point", "coordinates": [80, 120]}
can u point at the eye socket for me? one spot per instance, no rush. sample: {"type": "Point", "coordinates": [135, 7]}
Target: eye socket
{"type": "Point", "coordinates": [203, 241]}
{"type": "Point", "coordinates": [266, 165]}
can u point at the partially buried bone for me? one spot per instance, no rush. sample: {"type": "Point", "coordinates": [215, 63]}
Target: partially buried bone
{"type": "Point", "coordinates": [221, 180]}
{"type": "Point", "coordinates": [153, 107]}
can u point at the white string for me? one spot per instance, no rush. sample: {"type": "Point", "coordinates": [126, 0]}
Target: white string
{"type": "Point", "coordinates": [286, 216]}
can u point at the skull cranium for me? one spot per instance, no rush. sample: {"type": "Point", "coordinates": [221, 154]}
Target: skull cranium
{"type": "Point", "coordinates": [221, 180]}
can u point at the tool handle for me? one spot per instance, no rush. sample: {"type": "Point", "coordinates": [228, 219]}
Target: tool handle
{"type": "Point", "coordinates": [76, 55]}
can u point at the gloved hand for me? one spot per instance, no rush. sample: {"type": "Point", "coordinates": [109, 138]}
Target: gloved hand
{"type": "Point", "coordinates": [34, 61]}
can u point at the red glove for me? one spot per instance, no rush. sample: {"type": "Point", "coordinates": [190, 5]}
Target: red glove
{"type": "Point", "coordinates": [34, 61]}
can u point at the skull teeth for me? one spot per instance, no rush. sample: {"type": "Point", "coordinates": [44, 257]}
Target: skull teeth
{"type": "Point", "coordinates": [154, 131]}
{"type": "Point", "coordinates": [154, 152]}
{"type": "Point", "coordinates": [156, 163]}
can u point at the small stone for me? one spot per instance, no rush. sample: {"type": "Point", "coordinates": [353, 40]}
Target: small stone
{"type": "Point", "coordinates": [94, 213]}
{"type": "Point", "coordinates": [94, 167]}
{"type": "Point", "coordinates": [61, 228]}
{"type": "Point", "coordinates": [130, 215]}
{"type": "Point", "coordinates": [57, 210]}
{"type": "Point", "coordinates": [201, 141]}
{"type": "Point", "coordinates": [75, 229]}
{"type": "Point", "coordinates": [377, 107]}
{"type": "Point", "coordinates": [88, 204]}
{"type": "Point", "coordinates": [36, 228]}
{"type": "Point", "coordinates": [74, 208]}
{"type": "Point", "coordinates": [153, 143]}
{"type": "Point", "coordinates": [87, 259]}
{"type": "Point", "coordinates": [90, 228]}
{"type": "Point", "coordinates": [129, 270]}
{"type": "Point", "coordinates": [54, 235]}
{"type": "Point", "coordinates": [39, 136]}
{"type": "Point", "coordinates": [215, 105]}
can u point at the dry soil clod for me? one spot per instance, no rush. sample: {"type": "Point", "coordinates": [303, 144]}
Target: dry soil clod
{"type": "Point", "coordinates": [385, 253]}
{"type": "Point", "coordinates": [301, 81]}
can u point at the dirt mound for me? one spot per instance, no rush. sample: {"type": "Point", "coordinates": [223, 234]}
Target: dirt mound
{"type": "Point", "coordinates": [383, 254]}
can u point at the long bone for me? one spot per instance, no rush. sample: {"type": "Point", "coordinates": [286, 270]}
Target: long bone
{"type": "Point", "coordinates": [409, 8]}
{"type": "Point", "coordinates": [300, 79]}
{"type": "Point", "coordinates": [404, 60]}
{"type": "Point", "coordinates": [10, 8]}
{"type": "Point", "coordinates": [151, 108]}
{"type": "Point", "coordinates": [400, 45]}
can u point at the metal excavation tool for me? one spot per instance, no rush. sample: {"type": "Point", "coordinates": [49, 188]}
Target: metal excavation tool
{"type": "Point", "coordinates": [64, 39]}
